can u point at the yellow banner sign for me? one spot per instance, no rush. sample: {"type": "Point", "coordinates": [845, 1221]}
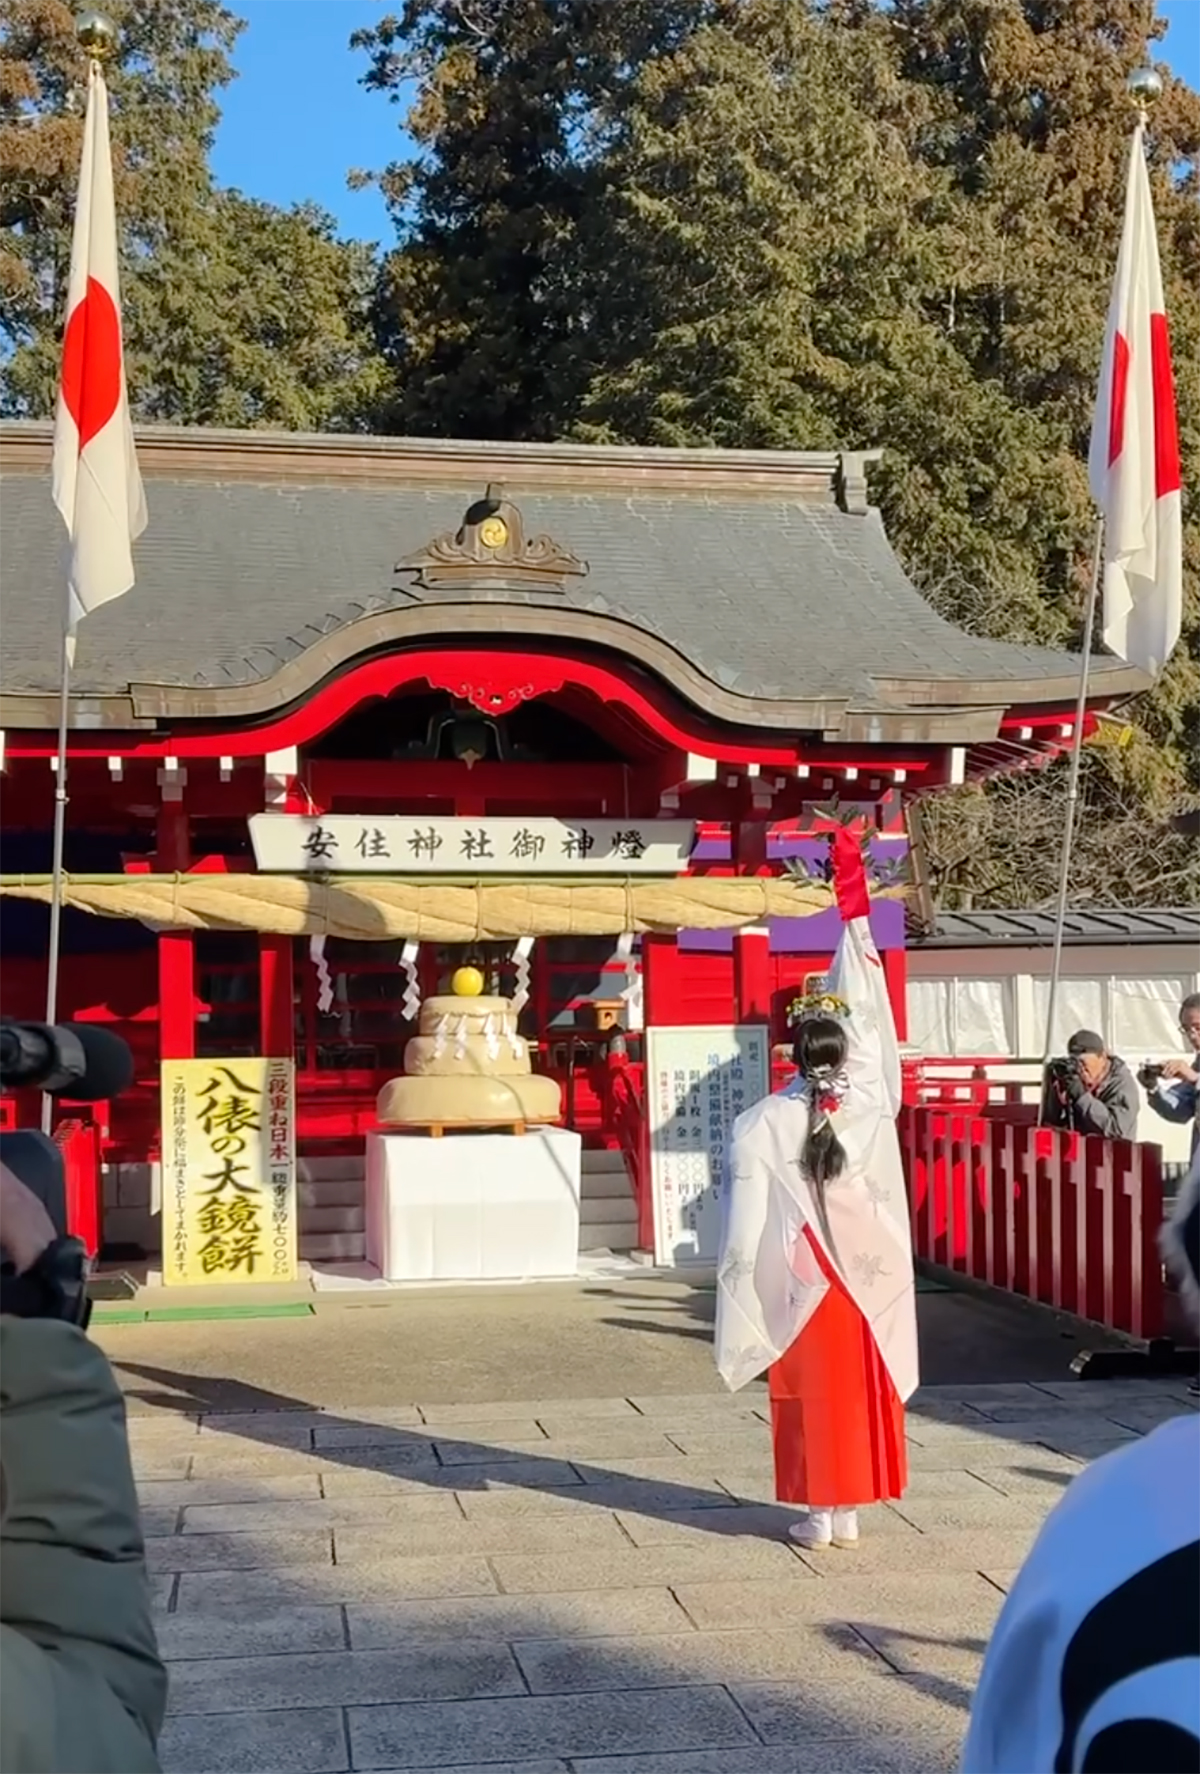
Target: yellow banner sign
{"type": "Point", "coordinates": [229, 1171]}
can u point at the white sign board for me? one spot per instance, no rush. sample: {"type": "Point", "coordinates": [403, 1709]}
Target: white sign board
{"type": "Point", "coordinates": [698, 1081]}
{"type": "Point", "coordinates": [351, 843]}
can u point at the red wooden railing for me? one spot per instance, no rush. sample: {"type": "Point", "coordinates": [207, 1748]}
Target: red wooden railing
{"type": "Point", "coordinates": [620, 1084]}
{"type": "Point", "coordinates": [968, 1082]}
{"type": "Point", "coordinates": [1068, 1221]}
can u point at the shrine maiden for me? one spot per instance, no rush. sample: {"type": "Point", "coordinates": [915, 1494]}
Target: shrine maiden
{"type": "Point", "coordinates": [815, 1274]}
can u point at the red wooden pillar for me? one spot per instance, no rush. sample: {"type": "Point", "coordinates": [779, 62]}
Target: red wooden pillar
{"type": "Point", "coordinates": [752, 975]}
{"type": "Point", "coordinates": [751, 946]}
{"type": "Point", "coordinates": [276, 1021]}
{"type": "Point", "coordinates": [176, 948]}
{"type": "Point", "coordinates": [662, 982]}
{"type": "Point", "coordinates": [895, 972]}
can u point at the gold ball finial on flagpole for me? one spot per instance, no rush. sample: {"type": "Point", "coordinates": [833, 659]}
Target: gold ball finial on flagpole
{"type": "Point", "coordinates": [96, 33]}
{"type": "Point", "coordinates": [1144, 85]}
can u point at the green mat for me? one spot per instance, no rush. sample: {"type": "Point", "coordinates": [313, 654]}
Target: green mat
{"type": "Point", "coordinates": [926, 1285]}
{"type": "Point", "coordinates": [102, 1314]}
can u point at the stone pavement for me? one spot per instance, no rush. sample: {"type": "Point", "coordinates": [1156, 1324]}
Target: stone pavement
{"type": "Point", "coordinates": [596, 1585]}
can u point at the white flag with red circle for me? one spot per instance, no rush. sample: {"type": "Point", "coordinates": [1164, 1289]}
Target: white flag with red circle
{"type": "Point", "coordinates": [1133, 463]}
{"type": "Point", "coordinates": [96, 483]}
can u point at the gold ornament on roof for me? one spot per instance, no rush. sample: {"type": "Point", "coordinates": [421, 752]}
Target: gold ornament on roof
{"type": "Point", "coordinates": [490, 550]}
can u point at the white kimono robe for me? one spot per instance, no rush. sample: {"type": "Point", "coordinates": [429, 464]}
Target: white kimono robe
{"type": "Point", "coordinates": [768, 1282]}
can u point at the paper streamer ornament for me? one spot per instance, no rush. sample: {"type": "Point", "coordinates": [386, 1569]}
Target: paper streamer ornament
{"type": "Point", "coordinates": [410, 1003]}
{"type": "Point", "coordinates": [439, 1036]}
{"type": "Point", "coordinates": [521, 954]}
{"type": "Point", "coordinates": [316, 951]}
{"type": "Point", "coordinates": [631, 996]}
{"type": "Point", "coordinates": [460, 1039]}
{"type": "Point", "coordinates": [491, 1038]}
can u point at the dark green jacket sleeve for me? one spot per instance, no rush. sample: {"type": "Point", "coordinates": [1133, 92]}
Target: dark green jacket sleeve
{"type": "Point", "coordinates": [82, 1685]}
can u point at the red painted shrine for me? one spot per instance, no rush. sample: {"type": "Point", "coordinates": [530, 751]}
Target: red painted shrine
{"type": "Point", "coordinates": [375, 636]}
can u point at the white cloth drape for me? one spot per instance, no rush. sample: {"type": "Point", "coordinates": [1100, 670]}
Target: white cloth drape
{"type": "Point", "coordinates": [768, 1282]}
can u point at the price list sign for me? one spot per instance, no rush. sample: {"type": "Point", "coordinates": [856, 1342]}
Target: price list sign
{"type": "Point", "coordinates": [698, 1081]}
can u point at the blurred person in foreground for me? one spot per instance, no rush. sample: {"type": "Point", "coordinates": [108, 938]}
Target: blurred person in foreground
{"type": "Point", "coordinates": [815, 1271]}
{"type": "Point", "coordinates": [1094, 1666]}
{"type": "Point", "coordinates": [82, 1690]}
{"type": "Point", "coordinates": [1091, 1091]}
{"type": "Point", "coordinates": [1173, 1089]}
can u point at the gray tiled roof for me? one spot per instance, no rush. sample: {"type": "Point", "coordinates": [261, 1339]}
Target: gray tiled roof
{"type": "Point", "coordinates": [769, 596]}
{"type": "Point", "coordinates": [968, 930]}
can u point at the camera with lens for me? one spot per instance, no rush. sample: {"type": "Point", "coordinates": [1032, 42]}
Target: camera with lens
{"type": "Point", "coordinates": [1062, 1069]}
{"type": "Point", "coordinates": [1150, 1074]}
{"type": "Point", "coordinates": [86, 1064]}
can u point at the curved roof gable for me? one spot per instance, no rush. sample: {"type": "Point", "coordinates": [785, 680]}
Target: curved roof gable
{"type": "Point", "coordinates": [765, 574]}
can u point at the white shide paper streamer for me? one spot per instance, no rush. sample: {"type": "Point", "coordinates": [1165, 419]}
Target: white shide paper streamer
{"type": "Point", "coordinates": [411, 1001]}
{"type": "Point", "coordinates": [316, 952]}
{"type": "Point", "coordinates": [521, 954]}
{"type": "Point", "coordinates": [631, 996]}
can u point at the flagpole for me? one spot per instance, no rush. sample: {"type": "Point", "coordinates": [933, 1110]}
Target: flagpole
{"type": "Point", "coordinates": [60, 832]}
{"type": "Point", "coordinates": [96, 35]}
{"type": "Point", "coordinates": [1143, 85]}
{"type": "Point", "coordinates": [1064, 872]}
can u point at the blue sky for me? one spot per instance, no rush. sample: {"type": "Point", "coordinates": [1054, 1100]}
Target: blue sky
{"type": "Point", "coordinates": [296, 120]}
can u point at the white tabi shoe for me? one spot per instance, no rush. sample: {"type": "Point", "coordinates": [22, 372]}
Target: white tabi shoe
{"type": "Point", "coordinates": [814, 1529]}
{"type": "Point", "coordinates": [845, 1528]}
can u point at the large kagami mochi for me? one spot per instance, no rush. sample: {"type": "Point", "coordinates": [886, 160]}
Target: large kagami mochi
{"type": "Point", "coordinates": [467, 1067]}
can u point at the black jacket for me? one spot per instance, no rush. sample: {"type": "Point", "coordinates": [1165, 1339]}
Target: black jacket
{"type": "Point", "coordinates": [1111, 1111]}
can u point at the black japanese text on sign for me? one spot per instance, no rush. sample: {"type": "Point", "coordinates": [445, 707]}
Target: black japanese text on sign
{"type": "Point", "coordinates": [346, 844]}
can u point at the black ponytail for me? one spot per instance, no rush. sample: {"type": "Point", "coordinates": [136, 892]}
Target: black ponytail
{"type": "Point", "coordinates": [820, 1054]}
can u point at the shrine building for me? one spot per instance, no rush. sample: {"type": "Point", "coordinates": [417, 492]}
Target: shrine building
{"type": "Point", "coordinates": [376, 707]}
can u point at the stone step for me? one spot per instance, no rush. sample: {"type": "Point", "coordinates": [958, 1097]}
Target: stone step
{"type": "Point", "coordinates": [593, 1213]}
{"type": "Point", "coordinates": [336, 1192]}
{"type": "Point", "coordinates": [605, 1185]}
{"type": "Point", "coordinates": [332, 1219]}
{"type": "Point", "coordinates": [619, 1236]}
{"type": "Point", "coordinates": [598, 1160]}
{"type": "Point", "coordinates": [345, 1167]}
{"type": "Point", "coordinates": [332, 1247]}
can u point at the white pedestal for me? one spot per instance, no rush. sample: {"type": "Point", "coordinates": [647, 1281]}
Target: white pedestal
{"type": "Point", "coordinates": [473, 1206]}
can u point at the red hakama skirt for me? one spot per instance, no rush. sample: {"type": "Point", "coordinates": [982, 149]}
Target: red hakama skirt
{"type": "Point", "coordinates": [836, 1420]}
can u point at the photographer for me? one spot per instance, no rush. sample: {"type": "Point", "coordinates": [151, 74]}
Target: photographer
{"type": "Point", "coordinates": [1173, 1089]}
{"type": "Point", "coordinates": [1091, 1091]}
{"type": "Point", "coordinates": [83, 1688]}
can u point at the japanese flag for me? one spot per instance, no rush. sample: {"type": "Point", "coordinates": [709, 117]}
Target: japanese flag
{"type": "Point", "coordinates": [1133, 464]}
{"type": "Point", "coordinates": [96, 483]}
